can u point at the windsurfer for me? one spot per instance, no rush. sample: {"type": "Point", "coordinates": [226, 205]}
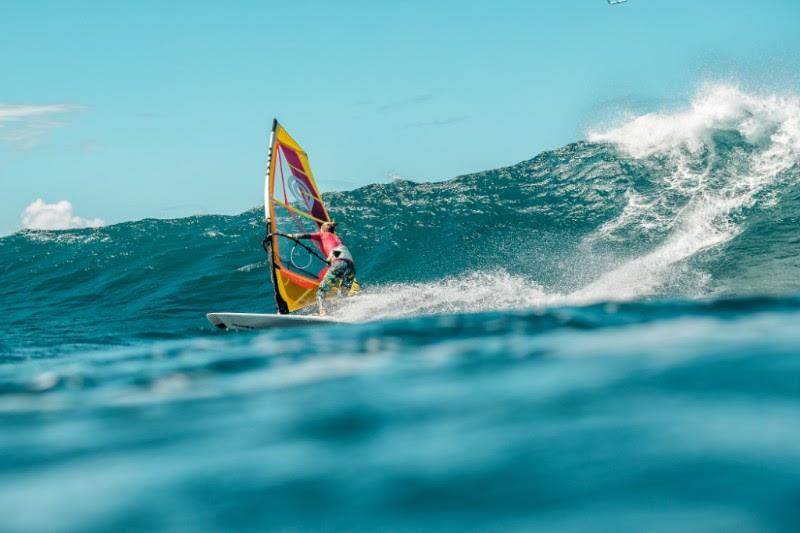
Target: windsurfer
{"type": "Point", "coordinates": [342, 268]}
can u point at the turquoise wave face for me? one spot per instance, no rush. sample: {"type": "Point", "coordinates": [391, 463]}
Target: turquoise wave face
{"type": "Point", "coordinates": [581, 224]}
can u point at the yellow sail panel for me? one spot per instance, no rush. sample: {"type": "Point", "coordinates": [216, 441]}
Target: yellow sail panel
{"type": "Point", "coordinates": [282, 136]}
{"type": "Point", "coordinates": [296, 293]}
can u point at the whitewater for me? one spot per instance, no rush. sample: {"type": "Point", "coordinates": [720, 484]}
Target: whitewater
{"type": "Point", "coordinates": [605, 333]}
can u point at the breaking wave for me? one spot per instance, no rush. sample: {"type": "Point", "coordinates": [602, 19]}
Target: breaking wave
{"type": "Point", "coordinates": [690, 203]}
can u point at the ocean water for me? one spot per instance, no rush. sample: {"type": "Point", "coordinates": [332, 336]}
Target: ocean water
{"type": "Point", "coordinates": [603, 337]}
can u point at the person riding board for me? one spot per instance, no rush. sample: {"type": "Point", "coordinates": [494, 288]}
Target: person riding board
{"type": "Point", "coordinates": [342, 268]}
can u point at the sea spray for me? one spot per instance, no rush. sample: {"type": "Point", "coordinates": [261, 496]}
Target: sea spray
{"type": "Point", "coordinates": [719, 156]}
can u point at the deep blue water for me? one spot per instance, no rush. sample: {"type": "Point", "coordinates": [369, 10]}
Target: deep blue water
{"type": "Point", "coordinates": [604, 337]}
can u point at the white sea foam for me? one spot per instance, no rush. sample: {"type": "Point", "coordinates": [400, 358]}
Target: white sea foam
{"type": "Point", "coordinates": [770, 118]}
{"type": "Point", "coordinates": [67, 237]}
{"type": "Point", "coordinates": [473, 292]}
{"type": "Point", "coordinates": [251, 266]}
{"type": "Point", "coordinates": [771, 124]}
{"type": "Point", "coordinates": [638, 210]}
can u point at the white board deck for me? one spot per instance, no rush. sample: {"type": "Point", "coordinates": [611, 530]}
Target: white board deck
{"type": "Point", "coordinates": [264, 320]}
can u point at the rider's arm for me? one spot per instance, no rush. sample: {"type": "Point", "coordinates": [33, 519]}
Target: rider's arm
{"type": "Point", "coordinates": [313, 236]}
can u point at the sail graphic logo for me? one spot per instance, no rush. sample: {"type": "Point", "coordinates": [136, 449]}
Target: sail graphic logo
{"type": "Point", "coordinates": [301, 192]}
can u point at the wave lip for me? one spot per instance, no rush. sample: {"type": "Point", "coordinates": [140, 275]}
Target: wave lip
{"type": "Point", "coordinates": [772, 120]}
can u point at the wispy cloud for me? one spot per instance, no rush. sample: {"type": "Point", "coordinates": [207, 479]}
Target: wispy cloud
{"type": "Point", "coordinates": [41, 215]}
{"type": "Point", "coordinates": [406, 102]}
{"type": "Point", "coordinates": [26, 124]}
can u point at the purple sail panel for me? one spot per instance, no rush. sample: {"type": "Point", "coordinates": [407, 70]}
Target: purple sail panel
{"type": "Point", "coordinates": [301, 190]}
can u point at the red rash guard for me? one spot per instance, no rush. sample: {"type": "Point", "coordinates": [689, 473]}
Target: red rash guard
{"type": "Point", "coordinates": [327, 241]}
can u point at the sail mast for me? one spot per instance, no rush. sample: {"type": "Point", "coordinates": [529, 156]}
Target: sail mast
{"type": "Point", "coordinates": [270, 155]}
{"type": "Point", "coordinates": [270, 244]}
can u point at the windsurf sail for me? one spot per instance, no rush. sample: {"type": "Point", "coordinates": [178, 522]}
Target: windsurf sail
{"type": "Point", "coordinates": [292, 204]}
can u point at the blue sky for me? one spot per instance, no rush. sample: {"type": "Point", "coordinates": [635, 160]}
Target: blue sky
{"type": "Point", "coordinates": [162, 109]}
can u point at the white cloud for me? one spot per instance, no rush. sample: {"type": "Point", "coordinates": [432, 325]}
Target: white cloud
{"type": "Point", "coordinates": [25, 125]}
{"type": "Point", "coordinates": [18, 112]}
{"type": "Point", "coordinates": [41, 215]}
